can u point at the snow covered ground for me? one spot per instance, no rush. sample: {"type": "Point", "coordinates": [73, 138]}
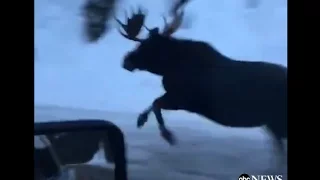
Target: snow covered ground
{"type": "Point", "coordinates": [77, 80]}
{"type": "Point", "coordinates": [204, 150]}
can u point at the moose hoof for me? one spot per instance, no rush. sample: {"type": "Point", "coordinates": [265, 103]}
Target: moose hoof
{"type": "Point", "coordinates": [168, 136]}
{"type": "Point", "coordinates": [142, 119]}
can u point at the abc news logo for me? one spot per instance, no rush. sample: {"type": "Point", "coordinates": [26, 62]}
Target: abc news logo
{"type": "Point", "coordinates": [260, 177]}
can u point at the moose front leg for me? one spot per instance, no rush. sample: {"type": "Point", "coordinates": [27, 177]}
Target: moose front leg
{"type": "Point", "coordinates": [163, 102]}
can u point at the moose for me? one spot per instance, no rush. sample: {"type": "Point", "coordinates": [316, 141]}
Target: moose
{"type": "Point", "coordinates": [199, 79]}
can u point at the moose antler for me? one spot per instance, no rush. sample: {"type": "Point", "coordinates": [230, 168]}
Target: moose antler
{"type": "Point", "coordinates": [178, 5]}
{"type": "Point", "coordinates": [171, 28]}
{"type": "Point", "coordinates": [133, 26]}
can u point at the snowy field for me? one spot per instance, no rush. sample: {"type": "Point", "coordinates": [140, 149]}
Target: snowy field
{"type": "Point", "coordinates": [77, 80]}
{"type": "Point", "coordinates": [204, 150]}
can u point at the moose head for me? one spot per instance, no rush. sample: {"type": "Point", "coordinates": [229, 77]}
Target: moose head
{"type": "Point", "coordinates": [153, 53]}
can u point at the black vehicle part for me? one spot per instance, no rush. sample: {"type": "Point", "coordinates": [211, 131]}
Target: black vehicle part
{"type": "Point", "coordinates": [45, 165]}
{"type": "Point", "coordinates": [116, 140]}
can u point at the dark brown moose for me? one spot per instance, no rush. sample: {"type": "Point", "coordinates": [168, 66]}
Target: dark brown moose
{"type": "Point", "coordinates": [198, 78]}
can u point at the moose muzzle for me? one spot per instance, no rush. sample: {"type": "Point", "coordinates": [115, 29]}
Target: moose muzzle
{"type": "Point", "coordinates": [128, 65]}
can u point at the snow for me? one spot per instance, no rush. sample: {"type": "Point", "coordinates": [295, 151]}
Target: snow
{"type": "Point", "coordinates": [204, 150]}
{"type": "Point", "coordinates": [76, 80]}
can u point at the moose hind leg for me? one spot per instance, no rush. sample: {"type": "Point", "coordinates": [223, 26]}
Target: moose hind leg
{"type": "Point", "coordinates": [278, 147]}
